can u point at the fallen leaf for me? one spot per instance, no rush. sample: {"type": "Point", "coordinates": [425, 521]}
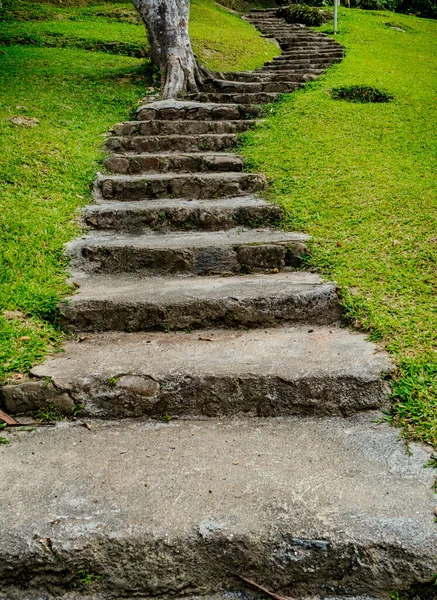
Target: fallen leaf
{"type": "Point", "coordinates": [85, 424]}
{"type": "Point", "coordinates": [8, 419]}
{"type": "Point", "coordinates": [339, 244]}
{"type": "Point", "coordinates": [275, 270]}
{"type": "Point", "coordinates": [24, 338]}
{"type": "Point", "coordinates": [235, 462]}
{"type": "Point", "coordinates": [203, 339]}
{"type": "Point", "coordinates": [76, 284]}
{"type": "Point", "coordinates": [79, 196]}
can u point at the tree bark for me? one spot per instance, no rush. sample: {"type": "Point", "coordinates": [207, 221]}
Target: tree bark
{"type": "Point", "coordinates": [166, 22]}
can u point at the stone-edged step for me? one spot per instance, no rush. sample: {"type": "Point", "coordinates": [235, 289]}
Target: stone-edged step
{"type": "Point", "coordinates": [196, 253]}
{"type": "Point", "coordinates": [264, 75]}
{"type": "Point", "coordinates": [178, 185]}
{"type": "Point", "coordinates": [134, 163]}
{"type": "Point", "coordinates": [132, 303]}
{"type": "Point", "coordinates": [171, 110]}
{"type": "Point", "coordinates": [326, 507]}
{"type": "Point", "coordinates": [172, 143]}
{"type": "Point", "coordinates": [241, 87]}
{"type": "Point", "coordinates": [312, 61]}
{"type": "Point", "coordinates": [310, 68]}
{"type": "Point", "coordinates": [286, 71]}
{"type": "Point", "coordinates": [298, 54]}
{"type": "Point", "coordinates": [182, 214]}
{"type": "Point", "coordinates": [246, 98]}
{"type": "Point", "coordinates": [294, 370]}
{"type": "Point", "coordinates": [180, 127]}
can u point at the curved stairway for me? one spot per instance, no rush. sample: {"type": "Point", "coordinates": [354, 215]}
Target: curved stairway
{"type": "Point", "coordinates": [193, 310]}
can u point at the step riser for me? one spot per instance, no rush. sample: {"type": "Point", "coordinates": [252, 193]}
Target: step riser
{"type": "Point", "coordinates": [304, 62]}
{"type": "Point", "coordinates": [308, 55]}
{"type": "Point", "coordinates": [189, 186]}
{"type": "Point", "coordinates": [182, 143]}
{"type": "Point", "coordinates": [179, 163]}
{"type": "Point", "coordinates": [184, 219]}
{"type": "Point", "coordinates": [264, 76]}
{"type": "Point", "coordinates": [249, 99]}
{"type": "Point", "coordinates": [211, 260]}
{"type": "Point", "coordinates": [157, 127]}
{"type": "Point", "coordinates": [251, 88]}
{"type": "Point", "coordinates": [315, 307]}
{"type": "Point", "coordinates": [130, 396]}
{"type": "Point", "coordinates": [199, 113]}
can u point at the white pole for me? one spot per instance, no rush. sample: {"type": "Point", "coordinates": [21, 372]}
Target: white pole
{"type": "Point", "coordinates": [335, 15]}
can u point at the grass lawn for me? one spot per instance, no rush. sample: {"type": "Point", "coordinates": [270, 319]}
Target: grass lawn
{"type": "Point", "coordinates": [361, 178]}
{"type": "Point", "coordinates": [46, 172]}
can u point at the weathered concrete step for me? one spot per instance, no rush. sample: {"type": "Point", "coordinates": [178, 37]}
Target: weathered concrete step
{"type": "Point", "coordinates": [180, 127]}
{"type": "Point", "coordinates": [279, 371]}
{"type": "Point", "coordinates": [286, 71]}
{"type": "Point", "coordinates": [196, 253]}
{"type": "Point", "coordinates": [171, 143]}
{"type": "Point", "coordinates": [242, 99]}
{"type": "Point", "coordinates": [298, 54]}
{"type": "Point", "coordinates": [237, 87]}
{"type": "Point", "coordinates": [171, 110]}
{"type": "Point", "coordinates": [132, 303]}
{"type": "Point", "coordinates": [180, 214]}
{"type": "Point", "coordinates": [264, 75]}
{"type": "Point", "coordinates": [133, 163]}
{"type": "Point", "coordinates": [303, 506]}
{"type": "Point", "coordinates": [178, 185]}
{"type": "Point", "coordinates": [310, 68]}
{"type": "Point", "coordinates": [301, 63]}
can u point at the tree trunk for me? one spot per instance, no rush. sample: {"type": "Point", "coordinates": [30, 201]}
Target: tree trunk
{"type": "Point", "coordinates": [166, 22]}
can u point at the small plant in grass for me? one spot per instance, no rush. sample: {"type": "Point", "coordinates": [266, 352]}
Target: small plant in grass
{"type": "Point", "coordinates": [112, 381]}
{"type": "Point", "coordinates": [361, 93]}
{"type": "Point", "coordinates": [48, 414]}
{"type": "Point", "coordinates": [307, 15]}
{"type": "Point", "coordinates": [84, 579]}
{"type": "Point", "coordinates": [2, 439]}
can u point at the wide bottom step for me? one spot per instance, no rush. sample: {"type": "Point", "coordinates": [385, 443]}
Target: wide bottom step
{"type": "Point", "coordinates": [302, 506]}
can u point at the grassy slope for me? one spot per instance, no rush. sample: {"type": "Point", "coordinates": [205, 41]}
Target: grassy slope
{"type": "Point", "coordinates": [46, 171]}
{"type": "Point", "coordinates": [362, 179]}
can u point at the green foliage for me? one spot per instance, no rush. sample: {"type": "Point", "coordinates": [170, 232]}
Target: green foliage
{"type": "Point", "coordinates": [84, 579]}
{"type": "Point", "coordinates": [48, 414]}
{"type": "Point", "coordinates": [305, 14]}
{"type": "Point", "coordinates": [361, 178]}
{"type": "Point", "coordinates": [2, 439]}
{"type": "Point", "coordinates": [361, 93]}
{"type": "Point", "coordinates": [46, 172]}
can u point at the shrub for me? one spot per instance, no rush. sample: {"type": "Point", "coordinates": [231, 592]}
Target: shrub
{"type": "Point", "coordinates": [361, 93]}
{"type": "Point", "coordinates": [307, 15]}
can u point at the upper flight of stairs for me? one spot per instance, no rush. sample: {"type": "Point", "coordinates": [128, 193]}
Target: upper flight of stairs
{"type": "Point", "coordinates": [194, 307]}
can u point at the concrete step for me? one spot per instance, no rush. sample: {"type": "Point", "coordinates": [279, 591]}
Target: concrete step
{"type": "Point", "coordinates": [178, 185]}
{"type": "Point", "coordinates": [279, 371]}
{"type": "Point", "coordinates": [173, 110]}
{"type": "Point", "coordinates": [240, 98]}
{"type": "Point", "coordinates": [132, 303]}
{"type": "Point", "coordinates": [296, 68]}
{"type": "Point", "coordinates": [297, 54]}
{"type": "Point", "coordinates": [183, 215]}
{"type": "Point", "coordinates": [306, 74]}
{"type": "Point", "coordinates": [180, 127]}
{"type": "Point", "coordinates": [196, 253]}
{"type": "Point", "coordinates": [301, 63]}
{"type": "Point", "coordinates": [133, 163]}
{"type": "Point", "coordinates": [254, 87]}
{"type": "Point", "coordinates": [262, 76]}
{"type": "Point", "coordinates": [306, 507]}
{"type": "Point", "coordinates": [171, 143]}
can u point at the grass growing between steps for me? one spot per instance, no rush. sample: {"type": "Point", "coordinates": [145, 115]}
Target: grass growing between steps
{"type": "Point", "coordinates": [362, 179]}
{"type": "Point", "coordinates": [46, 171]}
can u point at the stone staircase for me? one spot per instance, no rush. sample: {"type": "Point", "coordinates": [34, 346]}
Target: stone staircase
{"type": "Point", "coordinates": [232, 428]}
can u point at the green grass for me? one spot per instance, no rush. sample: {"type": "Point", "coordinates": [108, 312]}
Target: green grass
{"type": "Point", "coordinates": [46, 172]}
{"type": "Point", "coordinates": [361, 178]}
